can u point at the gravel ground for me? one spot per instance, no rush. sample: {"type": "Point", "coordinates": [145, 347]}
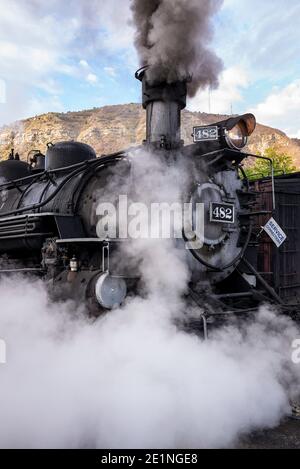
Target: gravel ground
{"type": "Point", "coordinates": [286, 436]}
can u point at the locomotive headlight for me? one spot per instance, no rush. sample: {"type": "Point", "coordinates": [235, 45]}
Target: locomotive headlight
{"type": "Point", "coordinates": [237, 137]}
{"type": "Point", "coordinates": [232, 133]}
{"type": "Point", "coordinates": [238, 129]}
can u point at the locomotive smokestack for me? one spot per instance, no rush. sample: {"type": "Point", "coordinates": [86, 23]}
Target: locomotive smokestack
{"type": "Point", "coordinates": [163, 103]}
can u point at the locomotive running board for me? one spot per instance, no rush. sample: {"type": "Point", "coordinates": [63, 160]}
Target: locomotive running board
{"type": "Point", "coordinates": [22, 271]}
{"type": "Point", "coordinates": [89, 240]}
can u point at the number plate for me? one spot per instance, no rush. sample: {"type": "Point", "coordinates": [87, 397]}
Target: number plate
{"type": "Point", "coordinates": [206, 134]}
{"type": "Point", "coordinates": [222, 213]}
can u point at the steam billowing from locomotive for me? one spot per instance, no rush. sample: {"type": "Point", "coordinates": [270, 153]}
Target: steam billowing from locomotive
{"type": "Point", "coordinates": [173, 38]}
{"type": "Point", "coordinates": [134, 377]}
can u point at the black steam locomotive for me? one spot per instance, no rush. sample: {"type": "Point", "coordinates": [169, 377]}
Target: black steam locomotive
{"type": "Point", "coordinates": [48, 227]}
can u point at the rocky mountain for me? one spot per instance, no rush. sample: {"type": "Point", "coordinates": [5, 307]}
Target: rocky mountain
{"type": "Point", "coordinates": [112, 128]}
{"type": "Point", "coordinates": [296, 141]}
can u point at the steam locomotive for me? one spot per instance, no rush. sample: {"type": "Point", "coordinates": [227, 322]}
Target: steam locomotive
{"type": "Point", "coordinates": [47, 226]}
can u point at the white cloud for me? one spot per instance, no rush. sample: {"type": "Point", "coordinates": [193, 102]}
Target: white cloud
{"type": "Point", "coordinates": [111, 71]}
{"type": "Point", "coordinates": [2, 91]}
{"type": "Point", "coordinates": [33, 49]}
{"type": "Point", "coordinates": [31, 43]}
{"type": "Point", "coordinates": [261, 35]}
{"type": "Point", "coordinates": [84, 64]}
{"type": "Point", "coordinates": [281, 109]}
{"type": "Point", "coordinates": [42, 41]}
{"type": "Point", "coordinates": [38, 106]}
{"type": "Point", "coordinates": [92, 78]}
{"type": "Point", "coordinates": [32, 106]}
{"type": "Point", "coordinates": [111, 23]}
{"type": "Point", "coordinates": [220, 101]}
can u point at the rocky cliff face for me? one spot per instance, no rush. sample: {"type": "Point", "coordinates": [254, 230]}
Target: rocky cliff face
{"type": "Point", "coordinates": [296, 141]}
{"type": "Point", "coordinates": [112, 128]}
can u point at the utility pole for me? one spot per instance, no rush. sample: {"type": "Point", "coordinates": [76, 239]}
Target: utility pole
{"type": "Point", "coordinates": [209, 99]}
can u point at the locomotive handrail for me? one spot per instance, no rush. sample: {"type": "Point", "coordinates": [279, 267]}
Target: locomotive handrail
{"type": "Point", "coordinates": [18, 271]}
{"type": "Point", "coordinates": [240, 167]}
{"type": "Point", "coordinates": [268, 287]}
{"type": "Point", "coordinates": [219, 152]}
{"type": "Point", "coordinates": [226, 267]}
{"type": "Point", "coordinates": [100, 161]}
{"type": "Point", "coordinates": [25, 191]}
{"type": "Point", "coordinates": [272, 175]}
{"type": "Point", "coordinates": [35, 215]}
{"type": "Point", "coordinates": [60, 170]}
{"type": "Point", "coordinates": [45, 202]}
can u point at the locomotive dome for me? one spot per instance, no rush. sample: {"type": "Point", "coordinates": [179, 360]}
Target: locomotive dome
{"type": "Point", "coordinates": [13, 169]}
{"type": "Point", "coordinates": [65, 154]}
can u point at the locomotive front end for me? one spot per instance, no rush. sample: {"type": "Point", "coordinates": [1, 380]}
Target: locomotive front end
{"type": "Point", "coordinates": [54, 206]}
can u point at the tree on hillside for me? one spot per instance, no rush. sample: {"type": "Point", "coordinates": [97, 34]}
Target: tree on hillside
{"type": "Point", "coordinates": [283, 164]}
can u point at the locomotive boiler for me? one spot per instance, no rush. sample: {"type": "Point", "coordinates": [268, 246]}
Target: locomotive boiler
{"type": "Point", "coordinates": [47, 208]}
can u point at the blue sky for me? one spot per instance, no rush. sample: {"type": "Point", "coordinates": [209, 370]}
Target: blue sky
{"type": "Point", "coordinates": [79, 54]}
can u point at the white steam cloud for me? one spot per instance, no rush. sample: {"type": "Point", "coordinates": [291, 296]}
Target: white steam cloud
{"type": "Point", "coordinates": [132, 379]}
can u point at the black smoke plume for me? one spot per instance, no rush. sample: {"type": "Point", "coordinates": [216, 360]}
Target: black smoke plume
{"type": "Point", "coordinates": [173, 38]}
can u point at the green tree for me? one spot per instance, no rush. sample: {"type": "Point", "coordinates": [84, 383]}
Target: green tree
{"type": "Point", "coordinates": [283, 164]}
